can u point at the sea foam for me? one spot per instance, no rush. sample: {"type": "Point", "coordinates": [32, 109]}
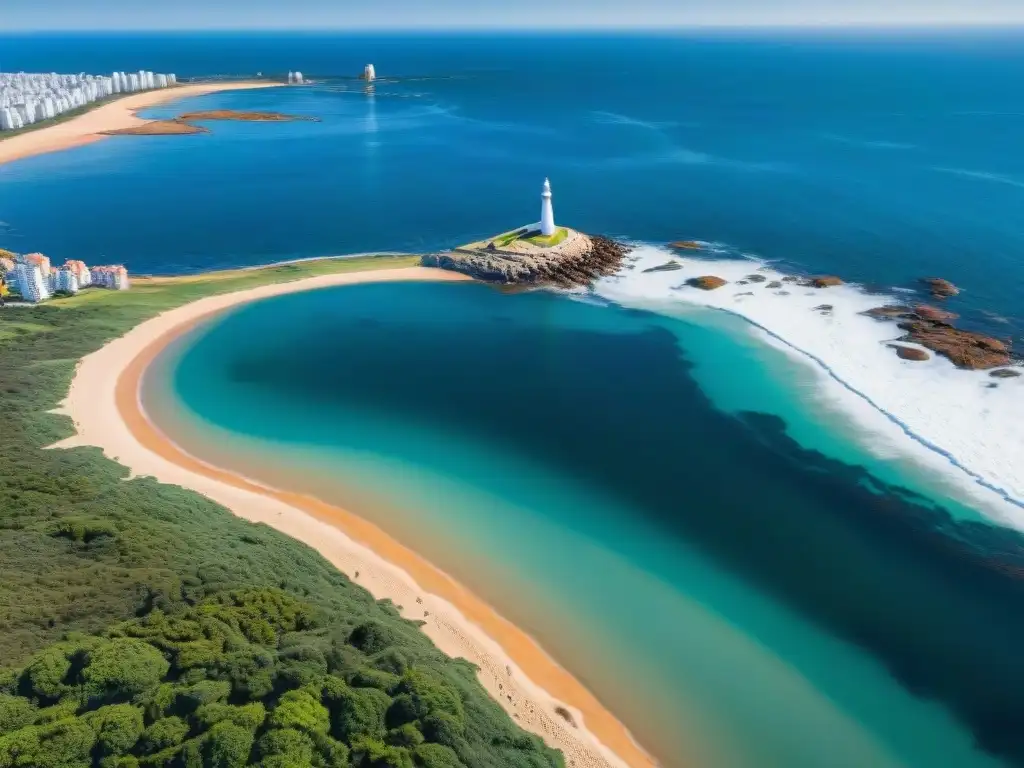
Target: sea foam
{"type": "Point", "coordinates": [937, 413]}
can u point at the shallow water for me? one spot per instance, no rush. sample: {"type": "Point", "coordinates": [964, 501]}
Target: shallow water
{"type": "Point", "coordinates": [727, 592]}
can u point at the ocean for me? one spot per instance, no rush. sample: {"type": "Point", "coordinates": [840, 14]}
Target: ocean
{"type": "Point", "coordinates": [756, 534]}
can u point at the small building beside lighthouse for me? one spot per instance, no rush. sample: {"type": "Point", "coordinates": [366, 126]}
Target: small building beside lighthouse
{"type": "Point", "coordinates": [547, 211]}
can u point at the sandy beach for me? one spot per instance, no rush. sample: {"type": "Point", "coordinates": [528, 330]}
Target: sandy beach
{"type": "Point", "coordinates": [104, 403]}
{"type": "Point", "coordinates": [112, 116]}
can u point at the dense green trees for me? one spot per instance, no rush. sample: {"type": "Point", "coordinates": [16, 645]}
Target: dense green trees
{"type": "Point", "coordinates": [159, 691]}
{"type": "Point", "coordinates": [146, 627]}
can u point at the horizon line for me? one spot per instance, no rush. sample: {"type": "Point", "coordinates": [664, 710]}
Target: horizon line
{"type": "Point", "coordinates": [838, 25]}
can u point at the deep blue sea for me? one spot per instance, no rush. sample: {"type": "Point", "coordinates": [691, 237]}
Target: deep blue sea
{"type": "Point", "coordinates": [750, 565]}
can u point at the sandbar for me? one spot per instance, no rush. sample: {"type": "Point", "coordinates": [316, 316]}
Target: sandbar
{"type": "Point", "coordinates": [113, 116]}
{"type": "Point", "coordinates": [105, 404]}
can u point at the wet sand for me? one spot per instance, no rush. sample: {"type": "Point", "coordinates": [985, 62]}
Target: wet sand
{"type": "Point", "coordinates": [104, 402]}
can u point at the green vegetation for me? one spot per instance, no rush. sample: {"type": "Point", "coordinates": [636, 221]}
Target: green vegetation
{"type": "Point", "coordinates": [551, 240]}
{"type": "Point", "coordinates": [145, 626]}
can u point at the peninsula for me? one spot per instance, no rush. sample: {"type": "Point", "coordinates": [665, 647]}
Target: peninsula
{"type": "Point", "coordinates": [158, 518]}
{"type": "Point", "coordinates": [107, 118]}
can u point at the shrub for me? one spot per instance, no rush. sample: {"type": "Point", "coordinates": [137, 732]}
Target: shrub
{"type": "Point", "coordinates": [166, 732]}
{"type": "Point", "coordinates": [436, 756]}
{"type": "Point", "coordinates": [117, 727]}
{"type": "Point", "coordinates": [286, 742]}
{"type": "Point", "coordinates": [227, 746]}
{"type": "Point", "coordinates": [250, 716]}
{"type": "Point", "coordinates": [15, 712]}
{"type": "Point", "coordinates": [359, 712]}
{"type": "Point", "coordinates": [302, 711]}
{"type": "Point", "coordinates": [122, 668]}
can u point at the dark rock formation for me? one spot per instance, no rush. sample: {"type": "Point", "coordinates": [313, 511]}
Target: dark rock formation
{"type": "Point", "coordinates": [755, 278]}
{"type": "Point", "coordinates": [941, 289]}
{"type": "Point", "coordinates": [790, 279]}
{"type": "Point", "coordinates": [706, 282]}
{"type": "Point", "coordinates": [910, 353]}
{"type": "Point", "coordinates": [823, 308]}
{"type": "Point", "coordinates": [668, 266]}
{"type": "Point", "coordinates": [560, 268]}
{"type": "Point", "coordinates": [1004, 373]}
{"type": "Point", "coordinates": [686, 245]}
{"type": "Point", "coordinates": [964, 348]}
{"type": "Point", "coordinates": [774, 284]}
{"type": "Point", "coordinates": [747, 293]}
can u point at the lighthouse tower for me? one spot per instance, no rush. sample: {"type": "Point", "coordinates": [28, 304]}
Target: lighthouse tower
{"type": "Point", "coordinates": [547, 211]}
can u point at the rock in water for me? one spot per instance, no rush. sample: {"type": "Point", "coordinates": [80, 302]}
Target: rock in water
{"type": "Point", "coordinates": [686, 245]}
{"type": "Point", "coordinates": [941, 289]}
{"type": "Point", "coordinates": [668, 266]}
{"type": "Point", "coordinates": [706, 282]}
{"type": "Point", "coordinates": [910, 353]}
{"type": "Point", "coordinates": [1004, 373]}
{"type": "Point", "coordinates": [964, 348]}
{"type": "Point", "coordinates": [825, 281]}
{"type": "Point", "coordinates": [774, 284]}
{"type": "Point", "coordinates": [889, 311]}
{"type": "Point", "coordinates": [933, 314]}
{"type": "Point", "coordinates": [755, 278]}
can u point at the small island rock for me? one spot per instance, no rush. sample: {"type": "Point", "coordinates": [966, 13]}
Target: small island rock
{"type": "Point", "coordinates": [1004, 373]}
{"type": "Point", "coordinates": [934, 314]}
{"type": "Point", "coordinates": [825, 281]}
{"type": "Point", "coordinates": [755, 278]}
{"type": "Point", "coordinates": [941, 289]}
{"type": "Point", "coordinates": [910, 353]}
{"type": "Point", "coordinates": [668, 266]}
{"type": "Point", "coordinates": [686, 245]}
{"type": "Point", "coordinates": [706, 282]}
{"type": "Point", "coordinates": [889, 311]}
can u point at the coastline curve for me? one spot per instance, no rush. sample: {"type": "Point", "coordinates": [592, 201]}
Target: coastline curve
{"type": "Point", "coordinates": [104, 402]}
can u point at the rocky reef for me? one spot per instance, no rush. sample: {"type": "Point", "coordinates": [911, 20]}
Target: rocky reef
{"type": "Point", "coordinates": [910, 353]}
{"type": "Point", "coordinates": [578, 261]}
{"type": "Point", "coordinates": [931, 328]}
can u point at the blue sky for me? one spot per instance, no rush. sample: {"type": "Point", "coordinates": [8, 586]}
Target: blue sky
{"type": "Point", "coordinates": [319, 14]}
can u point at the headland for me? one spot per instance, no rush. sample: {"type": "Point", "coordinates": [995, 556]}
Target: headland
{"type": "Point", "coordinates": [111, 117]}
{"type": "Point", "coordinates": [104, 403]}
{"type": "Point", "coordinates": [565, 258]}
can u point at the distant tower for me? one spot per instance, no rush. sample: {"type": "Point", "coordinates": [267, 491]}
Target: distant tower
{"type": "Point", "coordinates": [547, 211]}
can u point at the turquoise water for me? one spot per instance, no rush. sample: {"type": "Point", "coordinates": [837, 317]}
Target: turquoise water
{"type": "Point", "coordinates": [684, 525]}
{"type": "Point", "coordinates": [727, 592]}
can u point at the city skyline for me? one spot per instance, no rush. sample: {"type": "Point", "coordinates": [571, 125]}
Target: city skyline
{"type": "Point", "coordinates": [26, 15]}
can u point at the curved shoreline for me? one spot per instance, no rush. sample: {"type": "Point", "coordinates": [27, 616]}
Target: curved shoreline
{"type": "Point", "coordinates": [104, 403]}
{"type": "Point", "coordinates": [117, 115]}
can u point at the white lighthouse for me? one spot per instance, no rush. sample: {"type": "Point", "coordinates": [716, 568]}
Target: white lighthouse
{"type": "Point", "coordinates": [369, 73]}
{"type": "Point", "coordinates": [547, 211]}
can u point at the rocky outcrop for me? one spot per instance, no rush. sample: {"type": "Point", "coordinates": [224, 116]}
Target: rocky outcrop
{"type": "Point", "coordinates": [668, 266]}
{"type": "Point", "coordinates": [825, 309]}
{"type": "Point", "coordinates": [910, 353]}
{"type": "Point", "coordinates": [706, 282]}
{"type": "Point", "coordinates": [1004, 373]}
{"type": "Point", "coordinates": [889, 312]}
{"type": "Point", "coordinates": [934, 314]}
{"type": "Point", "coordinates": [755, 278]}
{"type": "Point", "coordinates": [686, 245]}
{"type": "Point", "coordinates": [940, 289]}
{"type": "Point", "coordinates": [588, 258]}
{"type": "Point", "coordinates": [965, 349]}
{"type": "Point", "coordinates": [774, 284]}
{"type": "Point", "coordinates": [824, 281]}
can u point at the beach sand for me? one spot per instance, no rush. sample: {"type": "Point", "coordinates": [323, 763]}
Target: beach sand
{"type": "Point", "coordinates": [112, 116]}
{"type": "Point", "coordinates": [104, 403]}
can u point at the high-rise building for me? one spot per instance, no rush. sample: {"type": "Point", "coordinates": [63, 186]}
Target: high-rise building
{"type": "Point", "coordinates": [30, 282]}
{"type": "Point", "coordinates": [65, 281]}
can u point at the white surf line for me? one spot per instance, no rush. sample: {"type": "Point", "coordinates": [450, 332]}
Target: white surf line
{"type": "Point", "coordinates": [644, 288]}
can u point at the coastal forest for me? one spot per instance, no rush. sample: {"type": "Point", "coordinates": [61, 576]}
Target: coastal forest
{"type": "Point", "coordinates": [144, 626]}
